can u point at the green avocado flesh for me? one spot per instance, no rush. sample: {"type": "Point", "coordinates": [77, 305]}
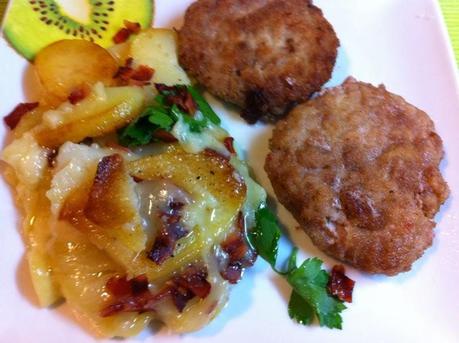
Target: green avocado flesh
{"type": "Point", "coordinates": [30, 25]}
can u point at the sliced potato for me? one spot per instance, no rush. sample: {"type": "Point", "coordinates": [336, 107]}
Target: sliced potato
{"type": "Point", "coordinates": [29, 121]}
{"type": "Point", "coordinates": [104, 111]}
{"type": "Point", "coordinates": [37, 230]}
{"type": "Point", "coordinates": [218, 196]}
{"type": "Point", "coordinates": [104, 207]}
{"type": "Point", "coordinates": [120, 52]}
{"type": "Point", "coordinates": [68, 64]}
{"type": "Point", "coordinates": [82, 271]}
{"type": "Point", "coordinates": [31, 179]}
{"type": "Point", "coordinates": [157, 48]}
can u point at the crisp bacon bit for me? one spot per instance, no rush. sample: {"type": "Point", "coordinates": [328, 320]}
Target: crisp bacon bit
{"type": "Point", "coordinates": [178, 96]}
{"type": "Point", "coordinates": [229, 145]}
{"type": "Point", "coordinates": [164, 136]}
{"type": "Point", "coordinates": [240, 255]}
{"type": "Point", "coordinates": [122, 35]}
{"type": "Point", "coordinates": [134, 296]}
{"type": "Point", "coordinates": [124, 72]}
{"type": "Point", "coordinates": [193, 282]}
{"type": "Point", "coordinates": [132, 27]}
{"type": "Point", "coordinates": [12, 119]}
{"type": "Point", "coordinates": [142, 73]}
{"type": "Point", "coordinates": [120, 286]}
{"type": "Point", "coordinates": [340, 285]}
{"type": "Point", "coordinates": [78, 94]}
{"type": "Point", "coordinates": [129, 62]}
{"type": "Point", "coordinates": [51, 157]}
{"type": "Point", "coordinates": [131, 295]}
{"type": "Point", "coordinates": [127, 75]}
{"type": "Point", "coordinates": [171, 231]}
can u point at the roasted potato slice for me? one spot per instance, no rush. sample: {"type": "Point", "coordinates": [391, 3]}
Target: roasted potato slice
{"type": "Point", "coordinates": [157, 48]}
{"type": "Point", "coordinates": [104, 206]}
{"type": "Point", "coordinates": [82, 271]}
{"type": "Point", "coordinates": [38, 234]}
{"type": "Point", "coordinates": [29, 121]}
{"type": "Point", "coordinates": [104, 111]}
{"type": "Point", "coordinates": [218, 193]}
{"type": "Point", "coordinates": [69, 64]}
{"type": "Point", "coordinates": [31, 179]}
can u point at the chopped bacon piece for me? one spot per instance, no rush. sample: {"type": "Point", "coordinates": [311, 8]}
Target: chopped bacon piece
{"type": "Point", "coordinates": [132, 27]}
{"type": "Point", "coordinates": [122, 35]}
{"type": "Point", "coordinates": [178, 95]}
{"type": "Point", "coordinates": [229, 145]}
{"type": "Point", "coordinates": [123, 73]}
{"type": "Point", "coordinates": [51, 155]}
{"type": "Point", "coordinates": [142, 73]}
{"type": "Point", "coordinates": [134, 296]}
{"type": "Point", "coordinates": [139, 76]}
{"type": "Point", "coordinates": [165, 136]}
{"type": "Point", "coordinates": [129, 61]}
{"type": "Point", "coordinates": [125, 32]}
{"type": "Point", "coordinates": [120, 286]}
{"type": "Point", "coordinates": [171, 231]}
{"type": "Point", "coordinates": [12, 119]}
{"type": "Point", "coordinates": [240, 255]}
{"type": "Point", "coordinates": [78, 94]}
{"type": "Point", "coordinates": [340, 285]}
{"type": "Point", "coordinates": [195, 279]}
{"type": "Point", "coordinates": [193, 282]}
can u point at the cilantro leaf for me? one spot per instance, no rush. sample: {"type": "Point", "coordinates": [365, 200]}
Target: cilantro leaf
{"type": "Point", "coordinates": [136, 133]}
{"type": "Point", "coordinates": [161, 119]}
{"type": "Point", "coordinates": [195, 125]}
{"type": "Point", "coordinates": [265, 237]}
{"type": "Point", "coordinates": [299, 309]}
{"type": "Point", "coordinates": [203, 106]}
{"type": "Point", "coordinates": [309, 281]}
{"type": "Point", "coordinates": [163, 114]}
{"type": "Point", "coordinates": [291, 265]}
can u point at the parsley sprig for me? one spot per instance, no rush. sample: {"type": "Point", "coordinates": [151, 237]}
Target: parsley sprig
{"type": "Point", "coordinates": [309, 281]}
{"type": "Point", "coordinates": [164, 113]}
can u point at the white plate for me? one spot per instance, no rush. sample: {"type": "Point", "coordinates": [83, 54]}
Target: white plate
{"type": "Point", "coordinates": [402, 44]}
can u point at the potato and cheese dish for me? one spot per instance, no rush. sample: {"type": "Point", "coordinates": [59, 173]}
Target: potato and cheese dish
{"type": "Point", "coordinates": [135, 203]}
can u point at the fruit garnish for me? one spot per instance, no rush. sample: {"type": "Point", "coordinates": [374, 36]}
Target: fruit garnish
{"type": "Point", "coordinates": [31, 25]}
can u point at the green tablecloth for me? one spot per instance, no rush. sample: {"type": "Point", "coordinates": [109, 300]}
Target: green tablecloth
{"type": "Point", "coordinates": [450, 11]}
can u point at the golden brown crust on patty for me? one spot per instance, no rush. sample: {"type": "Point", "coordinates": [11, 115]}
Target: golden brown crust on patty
{"type": "Point", "coordinates": [358, 168]}
{"type": "Point", "coordinates": [263, 55]}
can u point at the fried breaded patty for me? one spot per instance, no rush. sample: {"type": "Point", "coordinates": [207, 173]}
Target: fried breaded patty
{"type": "Point", "coordinates": [263, 55]}
{"type": "Point", "coordinates": [358, 168]}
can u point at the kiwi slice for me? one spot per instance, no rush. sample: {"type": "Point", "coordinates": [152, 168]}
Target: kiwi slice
{"type": "Point", "coordinates": [31, 25]}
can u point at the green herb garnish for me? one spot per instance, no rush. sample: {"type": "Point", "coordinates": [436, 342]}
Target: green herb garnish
{"type": "Point", "coordinates": [165, 112]}
{"type": "Point", "coordinates": [204, 106]}
{"type": "Point", "coordinates": [309, 281]}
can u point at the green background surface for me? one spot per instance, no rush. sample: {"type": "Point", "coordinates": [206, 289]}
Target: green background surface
{"type": "Point", "coordinates": [450, 10]}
